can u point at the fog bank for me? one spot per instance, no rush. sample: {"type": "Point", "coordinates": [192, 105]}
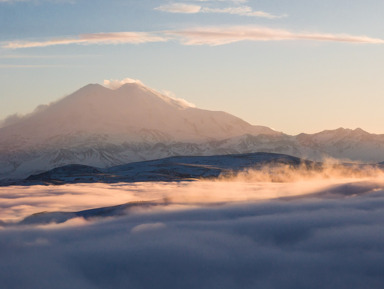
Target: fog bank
{"type": "Point", "coordinates": [314, 233]}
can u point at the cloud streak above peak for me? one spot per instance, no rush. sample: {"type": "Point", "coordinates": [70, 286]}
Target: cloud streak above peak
{"type": "Point", "coordinates": [211, 36]}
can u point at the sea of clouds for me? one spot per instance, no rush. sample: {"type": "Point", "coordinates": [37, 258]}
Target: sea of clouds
{"type": "Point", "coordinates": [316, 232]}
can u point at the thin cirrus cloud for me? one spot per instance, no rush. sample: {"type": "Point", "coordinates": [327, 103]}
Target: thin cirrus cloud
{"type": "Point", "coordinates": [180, 8]}
{"type": "Point", "coordinates": [30, 66]}
{"type": "Point", "coordinates": [211, 36]}
{"type": "Point", "coordinates": [214, 36]}
{"type": "Point", "coordinates": [193, 9]}
{"type": "Point", "coordinates": [243, 11]}
{"type": "Point", "coordinates": [38, 1]}
{"type": "Point", "coordinates": [232, 1]}
{"type": "Point", "coordinates": [93, 38]}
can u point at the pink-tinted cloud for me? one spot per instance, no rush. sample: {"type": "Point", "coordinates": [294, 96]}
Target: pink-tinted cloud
{"type": "Point", "coordinates": [212, 36]}
{"type": "Point", "coordinates": [180, 8]}
{"type": "Point", "coordinates": [232, 1]}
{"type": "Point", "coordinates": [242, 10]}
{"type": "Point", "coordinates": [52, 1]}
{"type": "Point", "coordinates": [224, 35]}
{"type": "Point", "coordinates": [193, 9]}
{"type": "Point", "coordinates": [93, 38]}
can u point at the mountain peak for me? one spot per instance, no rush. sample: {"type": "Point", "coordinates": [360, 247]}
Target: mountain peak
{"type": "Point", "coordinates": [92, 86]}
{"type": "Point", "coordinates": [131, 112]}
{"type": "Point", "coordinates": [360, 131]}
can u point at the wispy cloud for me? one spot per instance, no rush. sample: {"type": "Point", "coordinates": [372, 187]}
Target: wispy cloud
{"type": "Point", "coordinates": [211, 36]}
{"type": "Point", "coordinates": [193, 9]}
{"type": "Point", "coordinates": [182, 102]}
{"type": "Point", "coordinates": [242, 10]}
{"type": "Point", "coordinates": [38, 1]}
{"type": "Point", "coordinates": [180, 8]}
{"type": "Point", "coordinates": [95, 38]}
{"type": "Point", "coordinates": [231, 1]}
{"type": "Point", "coordinates": [224, 35]}
{"type": "Point", "coordinates": [34, 66]}
{"type": "Point", "coordinates": [55, 56]}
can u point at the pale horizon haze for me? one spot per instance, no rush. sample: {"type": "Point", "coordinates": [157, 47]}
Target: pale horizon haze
{"type": "Point", "coordinates": [295, 66]}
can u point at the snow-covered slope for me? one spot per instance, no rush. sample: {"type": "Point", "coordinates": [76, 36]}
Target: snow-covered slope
{"type": "Point", "coordinates": [103, 127]}
{"type": "Point", "coordinates": [132, 112]}
{"type": "Point", "coordinates": [347, 144]}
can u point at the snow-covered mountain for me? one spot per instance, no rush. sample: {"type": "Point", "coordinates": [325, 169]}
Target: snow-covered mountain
{"type": "Point", "coordinates": [103, 127]}
{"type": "Point", "coordinates": [346, 144]}
{"type": "Point", "coordinates": [131, 113]}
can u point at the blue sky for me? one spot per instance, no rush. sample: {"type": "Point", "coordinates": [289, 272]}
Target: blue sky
{"type": "Point", "coordinates": [296, 66]}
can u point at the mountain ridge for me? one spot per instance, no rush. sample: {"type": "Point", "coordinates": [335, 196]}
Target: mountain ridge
{"type": "Point", "coordinates": [103, 127]}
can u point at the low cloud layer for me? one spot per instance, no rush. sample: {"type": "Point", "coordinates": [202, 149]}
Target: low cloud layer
{"type": "Point", "coordinates": [266, 183]}
{"type": "Point", "coordinates": [212, 36]}
{"type": "Point", "coordinates": [331, 240]}
{"type": "Point", "coordinates": [16, 118]}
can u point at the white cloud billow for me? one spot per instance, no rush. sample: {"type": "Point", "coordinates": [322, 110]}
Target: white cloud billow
{"type": "Point", "coordinates": [165, 94]}
{"type": "Point", "coordinates": [181, 101]}
{"type": "Point", "coordinates": [115, 83]}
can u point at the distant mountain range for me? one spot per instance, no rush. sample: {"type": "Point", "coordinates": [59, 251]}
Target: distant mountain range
{"type": "Point", "coordinates": [101, 127]}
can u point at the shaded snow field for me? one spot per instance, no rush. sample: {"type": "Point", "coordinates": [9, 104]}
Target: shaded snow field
{"type": "Point", "coordinates": [301, 232]}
